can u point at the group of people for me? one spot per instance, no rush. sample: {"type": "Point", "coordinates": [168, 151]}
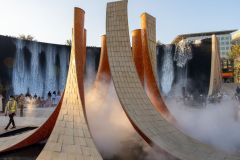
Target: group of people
{"type": "Point", "coordinates": [215, 98]}
{"type": "Point", "coordinates": [21, 100]}
{"type": "Point", "coordinates": [52, 99]}
{"type": "Point", "coordinates": [201, 98]}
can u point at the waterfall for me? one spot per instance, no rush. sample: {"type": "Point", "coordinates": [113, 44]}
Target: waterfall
{"type": "Point", "coordinates": [167, 70]}
{"type": "Point", "coordinates": [51, 80]}
{"type": "Point", "coordinates": [35, 80]}
{"type": "Point", "coordinates": [90, 69]}
{"type": "Point", "coordinates": [36, 70]}
{"type": "Point", "coordinates": [183, 53]}
{"type": "Point", "coordinates": [64, 58]}
{"type": "Point", "coordinates": [20, 77]}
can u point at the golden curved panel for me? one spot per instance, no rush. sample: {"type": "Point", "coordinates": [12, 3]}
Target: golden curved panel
{"type": "Point", "coordinates": [71, 138]}
{"type": "Point", "coordinates": [144, 117]}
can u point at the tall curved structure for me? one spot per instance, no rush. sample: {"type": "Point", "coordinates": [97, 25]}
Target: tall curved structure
{"type": "Point", "coordinates": [70, 138]}
{"type": "Point", "coordinates": [148, 25]}
{"type": "Point", "coordinates": [149, 57]}
{"type": "Point", "coordinates": [141, 112]}
{"type": "Point", "coordinates": [103, 77]}
{"type": "Point", "coordinates": [137, 53]}
{"type": "Point", "coordinates": [103, 73]}
{"type": "Point", "coordinates": [216, 76]}
{"type": "Point", "coordinates": [141, 50]}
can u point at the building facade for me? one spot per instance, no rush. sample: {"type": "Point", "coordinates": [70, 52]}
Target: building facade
{"type": "Point", "coordinates": [224, 38]}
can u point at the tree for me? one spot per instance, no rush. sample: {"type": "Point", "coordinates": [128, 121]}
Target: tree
{"type": "Point", "coordinates": [69, 42]}
{"type": "Point", "coordinates": [26, 37]}
{"type": "Point", "coordinates": [159, 43]}
{"type": "Point", "coordinates": [234, 52]}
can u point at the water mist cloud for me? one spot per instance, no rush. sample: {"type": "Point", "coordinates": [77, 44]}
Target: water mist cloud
{"type": "Point", "coordinates": [216, 124]}
{"type": "Point", "coordinates": [113, 133]}
{"type": "Point", "coordinates": [108, 122]}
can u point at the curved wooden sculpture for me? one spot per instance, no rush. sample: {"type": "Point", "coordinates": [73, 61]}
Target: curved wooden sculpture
{"type": "Point", "coordinates": [103, 78]}
{"type": "Point", "coordinates": [149, 46]}
{"type": "Point", "coordinates": [32, 137]}
{"type": "Point", "coordinates": [216, 76]}
{"type": "Point", "coordinates": [103, 73]}
{"type": "Point", "coordinates": [144, 117]}
{"type": "Point", "coordinates": [70, 138]}
{"type": "Point", "coordinates": [137, 53]}
{"type": "Point", "coordinates": [142, 46]}
{"type": "Point", "coordinates": [148, 25]}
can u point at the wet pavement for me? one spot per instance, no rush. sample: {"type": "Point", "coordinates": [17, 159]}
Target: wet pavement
{"type": "Point", "coordinates": [32, 116]}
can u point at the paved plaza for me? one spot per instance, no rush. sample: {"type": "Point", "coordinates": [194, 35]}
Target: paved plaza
{"type": "Point", "coordinates": [32, 116]}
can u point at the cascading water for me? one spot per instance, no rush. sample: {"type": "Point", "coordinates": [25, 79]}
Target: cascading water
{"type": "Point", "coordinates": [20, 77]}
{"type": "Point", "coordinates": [173, 66]}
{"type": "Point", "coordinates": [167, 70]}
{"type": "Point", "coordinates": [183, 53]}
{"type": "Point", "coordinates": [36, 67]}
{"type": "Point", "coordinates": [36, 85]}
{"type": "Point", "coordinates": [51, 81]}
{"type": "Point", "coordinates": [64, 67]}
{"type": "Point", "coordinates": [91, 66]}
{"type": "Point", "coordinates": [39, 77]}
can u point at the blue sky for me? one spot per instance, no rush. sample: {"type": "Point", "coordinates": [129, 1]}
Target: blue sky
{"type": "Point", "coordinates": [51, 20]}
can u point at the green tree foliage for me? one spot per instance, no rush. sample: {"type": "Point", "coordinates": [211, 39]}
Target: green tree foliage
{"type": "Point", "coordinates": [235, 52]}
{"type": "Point", "coordinates": [159, 43]}
{"type": "Point", "coordinates": [69, 42]}
{"type": "Point", "coordinates": [27, 37]}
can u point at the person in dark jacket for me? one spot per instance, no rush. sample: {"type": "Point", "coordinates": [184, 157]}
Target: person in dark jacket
{"type": "Point", "coordinates": [49, 95]}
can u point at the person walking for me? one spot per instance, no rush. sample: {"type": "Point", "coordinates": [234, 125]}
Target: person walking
{"type": "Point", "coordinates": [54, 98]}
{"type": "Point", "coordinates": [21, 102]}
{"type": "Point", "coordinates": [49, 95]}
{"type": "Point", "coordinates": [58, 97]}
{"type": "Point", "coordinates": [238, 90]}
{"type": "Point", "coordinates": [237, 94]}
{"type": "Point", "coordinates": [10, 110]}
{"type": "Point", "coordinates": [1, 102]}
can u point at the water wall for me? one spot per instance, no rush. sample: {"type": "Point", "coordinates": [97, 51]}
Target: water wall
{"type": "Point", "coordinates": [199, 68]}
{"type": "Point", "coordinates": [39, 68]}
{"type": "Point", "coordinates": [93, 58]}
{"type": "Point", "coordinates": [186, 66]}
{"type": "Point", "coordinates": [167, 70]}
{"type": "Point", "coordinates": [36, 67]}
